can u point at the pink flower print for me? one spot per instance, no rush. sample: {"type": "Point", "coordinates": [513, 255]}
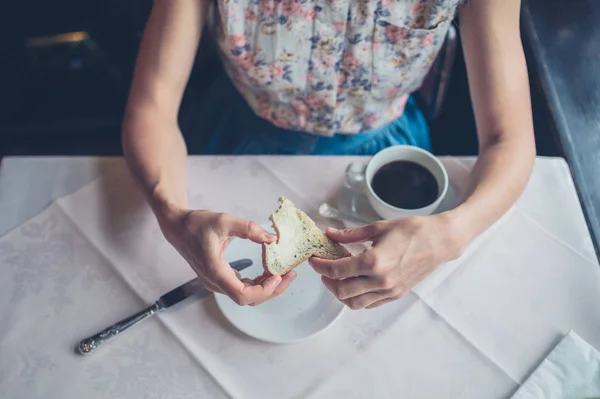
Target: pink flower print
{"type": "Point", "coordinates": [338, 26]}
{"type": "Point", "coordinates": [250, 15]}
{"type": "Point", "coordinates": [285, 115]}
{"type": "Point", "coordinates": [267, 7]}
{"type": "Point", "coordinates": [309, 14]}
{"type": "Point", "coordinates": [238, 40]}
{"type": "Point", "coordinates": [427, 40]}
{"type": "Point", "coordinates": [264, 108]}
{"type": "Point", "coordinates": [376, 43]}
{"type": "Point", "coordinates": [392, 93]}
{"type": "Point", "coordinates": [371, 119]}
{"type": "Point", "coordinates": [316, 99]}
{"type": "Point", "coordinates": [394, 33]}
{"type": "Point", "coordinates": [341, 78]}
{"type": "Point", "coordinates": [300, 107]}
{"type": "Point", "coordinates": [302, 121]}
{"type": "Point", "coordinates": [246, 60]}
{"type": "Point", "coordinates": [260, 74]}
{"type": "Point", "coordinates": [276, 70]}
{"type": "Point", "coordinates": [233, 11]}
{"type": "Point", "coordinates": [419, 8]}
{"type": "Point", "coordinates": [386, 2]}
{"type": "Point", "coordinates": [310, 76]}
{"type": "Point", "coordinates": [349, 62]}
{"type": "Point", "coordinates": [301, 113]}
{"type": "Point", "coordinates": [265, 112]}
{"type": "Point", "coordinates": [291, 8]}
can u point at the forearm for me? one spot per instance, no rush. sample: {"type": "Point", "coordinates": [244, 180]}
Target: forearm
{"type": "Point", "coordinates": [157, 158]}
{"type": "Point", "coordinates": [152, 142]}
{"type": "Point", "coordinates": [496, 182]}
{"type": "Point", "coordinates": [499, 88]}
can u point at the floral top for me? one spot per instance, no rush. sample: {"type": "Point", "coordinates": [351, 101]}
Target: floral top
{"type": "Point", "coordinates": [330, 66]}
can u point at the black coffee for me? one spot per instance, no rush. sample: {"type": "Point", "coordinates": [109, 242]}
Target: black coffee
{"type": "Point", "coordinates": [405, 185]}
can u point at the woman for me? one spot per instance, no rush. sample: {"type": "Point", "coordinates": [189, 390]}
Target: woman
{"type": "Point", "coordinates": [328, 77]}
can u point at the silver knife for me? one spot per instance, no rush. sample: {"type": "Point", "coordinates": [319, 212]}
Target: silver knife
{"type": "Point", "coordinates": [191, 288]}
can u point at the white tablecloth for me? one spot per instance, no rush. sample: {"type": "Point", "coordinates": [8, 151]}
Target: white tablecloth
{"type": "Point", "coordinates": [474, 329]}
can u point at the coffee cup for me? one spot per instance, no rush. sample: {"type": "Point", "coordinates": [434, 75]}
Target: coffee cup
{"type": "Point", "coordinates": [423, 164]}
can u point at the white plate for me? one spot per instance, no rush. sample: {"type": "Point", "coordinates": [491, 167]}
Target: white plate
{"type": "Point", "coordinates": [302, 311]}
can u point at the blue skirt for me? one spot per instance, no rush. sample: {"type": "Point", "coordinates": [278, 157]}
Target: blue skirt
{"type": "Point", "coordinates": [227, 125]}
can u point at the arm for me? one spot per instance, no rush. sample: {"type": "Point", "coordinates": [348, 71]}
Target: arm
{"type": "Point", "coordinates": [152, 142]}
{"type": "Point", "coordinates": [499, 88]}
{"type": "Point", "coordinates": [157, 155]}
{"type": "Point", "coordinates": [405, 251]}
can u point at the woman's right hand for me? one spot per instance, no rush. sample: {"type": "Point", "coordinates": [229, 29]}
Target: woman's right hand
{"type": "Point", "coordinates": [201, 237]}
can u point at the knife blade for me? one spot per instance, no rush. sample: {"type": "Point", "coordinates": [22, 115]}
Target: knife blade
{"type": "Point", "coordinates": [194, 287]}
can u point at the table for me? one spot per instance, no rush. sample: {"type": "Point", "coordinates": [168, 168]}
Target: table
{"type": "Point", "coordinates": [563, 39]}
{"type": "Point", "coordinates": [476, 328]}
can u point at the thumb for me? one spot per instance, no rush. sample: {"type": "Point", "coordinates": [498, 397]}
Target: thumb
{"type": "Point", "coordinates": [352, 235]}
{"type": "Point", "coordinates": [249, 230]}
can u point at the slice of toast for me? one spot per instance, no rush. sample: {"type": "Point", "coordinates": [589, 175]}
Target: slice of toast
{"type": "Point", "coordinates": [298, 238]}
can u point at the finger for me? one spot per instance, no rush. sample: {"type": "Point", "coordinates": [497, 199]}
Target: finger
{"type": "Point", "coordinates": [364, 300]}
{"type": "Point", "coordinates": [211, 287]}
{"type": "Point", "coordinates": [281, 287]}
{"type": "Point", "coordinates": [351, 287]}
{"type": "Point", "coordinates": [247, 229]}
{"type": "Point", "coordinates": [382, 302]}
{"type": "Point", "coordinates": [261, 279]}
{"type": "Point", "coordinates": [286, 280]}
{"type": "Point", "coordinates": [244, 294]}
{"type": "Point", "coordinates": [353, 235]}
{"type": "Point", "coordinates": [352, 266]}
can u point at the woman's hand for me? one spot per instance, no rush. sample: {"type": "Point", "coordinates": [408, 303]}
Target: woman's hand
{"type": "Point", "coordinates": [404, 252]}
{"type": "Point", "coordinates": [201, 238]}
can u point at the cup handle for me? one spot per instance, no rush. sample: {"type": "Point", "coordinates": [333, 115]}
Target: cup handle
{"type": "Point", "coordinates": [355, 176]}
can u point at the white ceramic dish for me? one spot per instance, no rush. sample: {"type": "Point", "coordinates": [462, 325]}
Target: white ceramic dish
{"type": "Point", "coordinates": [305, 309]}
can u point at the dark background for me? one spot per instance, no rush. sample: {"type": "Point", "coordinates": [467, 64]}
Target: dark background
{"type": "Point", "coordinates": [73, 103]}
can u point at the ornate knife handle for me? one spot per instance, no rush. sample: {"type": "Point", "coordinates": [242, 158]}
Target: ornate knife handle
{"type": "Point", "coordinates": [89, 344]}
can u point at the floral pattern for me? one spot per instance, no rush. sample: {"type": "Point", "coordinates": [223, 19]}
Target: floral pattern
{"type": "Point", "coordinates": [55, 289]}
{"type": "Point", "coordinates": [330, 66]}
{"type": "Point", "coordinates": [49, 254]}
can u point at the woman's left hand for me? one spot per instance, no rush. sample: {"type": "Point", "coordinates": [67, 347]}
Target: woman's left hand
{"type": "Point", "coordinates": [404, 252]}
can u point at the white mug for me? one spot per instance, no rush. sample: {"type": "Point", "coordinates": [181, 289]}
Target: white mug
{"type": "Point", "coordinates": [411, 154]}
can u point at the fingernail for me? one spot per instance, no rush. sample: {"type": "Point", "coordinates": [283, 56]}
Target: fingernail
{"type": "Point", "coordinates": [333, 229]}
